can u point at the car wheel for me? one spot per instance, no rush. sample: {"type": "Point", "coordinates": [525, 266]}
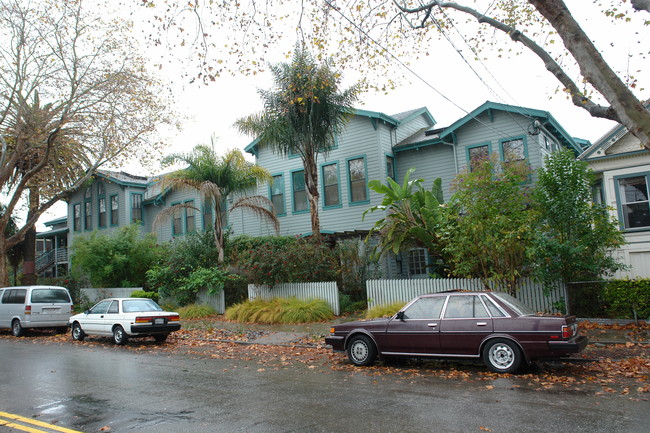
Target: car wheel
{"type": "Point", "coordinates": [502, 356]}
{"type": "Point", "coordinates": [362, 350]}
{"type": "Point", "coordinates": [16, 328]}
{"type": "Point", "coordinates": [77, 333]}
{"type": "Point", "coordinates": [119, 336]}
{"type": "Point", "coordinates": [160, 338]}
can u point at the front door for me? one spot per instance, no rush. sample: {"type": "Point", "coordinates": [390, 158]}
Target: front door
{"type": "Point", "coordinates": [464, 326]}
{"type": "Point", "coordinates": [416, 328]}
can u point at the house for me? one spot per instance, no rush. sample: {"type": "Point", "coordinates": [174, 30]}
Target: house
{"type": "Point", "coordinates": [52, 249]}
{"type": "Point", "coordinates": [622, 166]}
{"type": "Point", "coordinates": [373, 146]}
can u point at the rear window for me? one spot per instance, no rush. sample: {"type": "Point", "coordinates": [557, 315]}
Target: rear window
{"type": "Point", "coordinates": [516, 305]}
{"type": "Point", "coordinates": [50, 296]}
{"type": "Point", "coordinates": [138, 305]}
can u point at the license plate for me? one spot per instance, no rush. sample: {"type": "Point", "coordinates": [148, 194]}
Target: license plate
{"type": "Point", "coordinates": [158, 321]}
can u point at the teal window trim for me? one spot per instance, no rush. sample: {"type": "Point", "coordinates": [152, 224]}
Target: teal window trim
{"type": "Point", "coordinates": [110, 209]}
{"type": "Point", "coordinates": [76, 225]}
{"type": "Point", "coordinates": [474, 146]}
{"type": "Point", "coordinates": [392, 175]}
{"type": "Point", "coordinates": [131, 203]}
{"type": "Point", "coordinates": [338, 184]}
{"type": "Point", "coordinates": [619, 203]}
{"type": "Point", "coordinates": [88, 218]}
{"type": "Point", "coordinates": [365, 168]}
{"type": "Point", "coordinates": [284, 194]}
{"type": "Point", "coordinates": [185, 226]}
{"type": "Point", "coordinates": [99, 213]}
{"type": "Point", "coordinates": [518, 137]}
{"type": "Point", "coordinates": [293, 201]}
{"type": "Point", "coordinates": [173, 229]}
{"type": "Point", "coordinates": [207, 211]}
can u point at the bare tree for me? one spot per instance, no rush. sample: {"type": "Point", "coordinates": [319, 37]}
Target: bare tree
{"type": "Point", "coordinates": [74, 95]}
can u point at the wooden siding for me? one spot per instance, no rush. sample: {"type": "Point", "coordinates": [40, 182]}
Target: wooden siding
{"type": "Point", "coordinates": [429, 162]}
{"type": "Point", "coordinates": [327, 291]}
{"type": "Point", "coordinates": [388, 291]}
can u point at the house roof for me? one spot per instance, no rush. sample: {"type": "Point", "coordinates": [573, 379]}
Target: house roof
{"type": "Point", "coordinates": [603, 143]}
{"type": "Point", "coordinates": [393, 120]}
{"type": "Point", "coordinates": [124, 178]}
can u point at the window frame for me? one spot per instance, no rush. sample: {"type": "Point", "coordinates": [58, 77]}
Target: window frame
{"type": "Point", "coordinates": [392, 174]}
{"type": "Point", "coordinates": [293, 193]}
{"type": "Point", "coordinates": [427, 263]}
{"type": "Point", "coordinates": [76, 222]}
{"type": "Point", "coordinates": [207, 215]}
{"type": "Point", "coordinates": [620, 204]}
{"type": "Point", "coordinates": [468, 150]}
{"type": "Point", "coordinates": [185, 216]}
{"type": "Point", "coordinates": [365, 179]}
{"type": "Point", "coordinates": [178, 232]}
{"type": "Point", "coordinates": [88, 214]}
{"type": "Point", "coordinates": [283, 194]}
{"type": "Point", "coordinates": [524, 144]}
{"type": "Point", "coordinates": [337, 168]}
{"type": "Point", "coordinates": [141, 221]}
{"type": "Point", "coordinates": [114, 222]}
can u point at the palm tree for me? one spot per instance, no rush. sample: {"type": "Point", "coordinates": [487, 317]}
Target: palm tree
{"type": "Point", "coordinates": [216, 178]}
{"type": "Point", "coordinates": [302, 115]}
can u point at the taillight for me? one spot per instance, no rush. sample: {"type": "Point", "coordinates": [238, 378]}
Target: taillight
{"type": "Point", "coordinates": [173, 318]}
{"type": "Point", "coordinates": [143, 319]}
{"type": "Point", "coordinates": [28, 309]}
{"type": "Point", "coordinates": [567, 331]}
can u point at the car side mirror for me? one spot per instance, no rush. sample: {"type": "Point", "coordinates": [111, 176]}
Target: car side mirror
{"type": "Point", "coordinates": [400, 315]}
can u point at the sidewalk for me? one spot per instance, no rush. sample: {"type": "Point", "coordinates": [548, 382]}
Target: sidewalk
{"type": "Point", "coordinates": [293, 333]}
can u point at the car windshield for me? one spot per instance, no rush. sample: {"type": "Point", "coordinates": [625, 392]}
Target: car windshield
{"type": "Point", "coordinates": [138, 305]}
{"type": "Point", "coordinates": [516, 305]}
{"type": "Point", "coordinates": [54, 296]}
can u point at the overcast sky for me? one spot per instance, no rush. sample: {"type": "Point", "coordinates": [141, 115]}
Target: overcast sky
{"type": "Point", "coordinates": [444, 76]}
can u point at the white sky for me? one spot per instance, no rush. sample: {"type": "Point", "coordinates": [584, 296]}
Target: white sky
{"type": "Point", "coordinates": [520, 80]}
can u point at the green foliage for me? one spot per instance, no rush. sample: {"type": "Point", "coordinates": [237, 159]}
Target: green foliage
{"type": "Point", "coordinates": [628, 299]}
{"type": "Point", "coordinates": [355, 267]}
{"type": "Point", "coordinates": [346, 305]}
{"type": "Point", "coordinates": [280, 310]}
{"type": "Point", "coordinates": [119, 259]}
{"type": "Point", "coordinates": [145, 294]}
{"type": "Point", "coordinates": [490, 223]}
{"type": "Point", "coordinates": [414, 215]}
{"type": "Point", "coordinates": [275, 260]}
{"type": "Point", "coordinates": [384, 310]}
{"type": "Point", "coordinates": [196, 311]}
{"type": "Point", "coordinates": [576, 237]}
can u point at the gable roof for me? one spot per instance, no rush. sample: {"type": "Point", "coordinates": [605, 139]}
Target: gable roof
{"type": "Point", "coordinates": [544, 117]}
{"type": "Point", "coordinates": [394, 121]}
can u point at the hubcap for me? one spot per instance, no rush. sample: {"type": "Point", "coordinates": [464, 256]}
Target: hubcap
{"type": "Point", "coordinates": [359, 351]}
{"type": "Point", "coordinates": [502, 356]}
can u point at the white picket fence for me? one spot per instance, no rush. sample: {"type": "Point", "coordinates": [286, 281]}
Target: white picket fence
{"type": "Point", "coordinates": [327, 291]}
{"type": "Point", "coordinates": [389, 291]}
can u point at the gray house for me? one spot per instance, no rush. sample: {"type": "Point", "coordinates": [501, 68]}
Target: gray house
{"type": "Point", "coordinates": [373, 146]}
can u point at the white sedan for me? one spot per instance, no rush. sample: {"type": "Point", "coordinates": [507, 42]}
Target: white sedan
{"type": "Point", "coordinates": [124, 318]}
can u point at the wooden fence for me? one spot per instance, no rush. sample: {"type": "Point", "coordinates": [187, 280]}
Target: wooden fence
{"type": "Point", "coordinates": [327, 291]}
{"type": "Point", "coordinates": [530, 293]}
{"type": "Point", "coordinates": [217, 301]}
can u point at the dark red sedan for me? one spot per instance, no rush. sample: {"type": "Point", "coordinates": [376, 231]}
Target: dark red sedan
{"type": "Point", "coordinates": [492, 326]}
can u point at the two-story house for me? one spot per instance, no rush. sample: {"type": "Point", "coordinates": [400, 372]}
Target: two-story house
{"type": "Point", "coordinates": [622, 166]}
{"type": "Point", "coordinates": [372, 146]}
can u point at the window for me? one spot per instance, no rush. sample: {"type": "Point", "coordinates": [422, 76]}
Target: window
{"type": "Point", "coordinates": [76, 217]}
{"type": "Point", "coordinates": [102, 212]}
{"type": "Point", "coordinates": [100, 308]}
{"type": "Point", "coordinates": [633, 197]}
{"type": "Point", "coordinates": [88, 215]}
{"type": "Point", "coordinates": [87, 194]}
{"type": "Point", "coordinates": [513, 150]}
{"type": "Point", "coordinates": [357, 176]}
{"type": "Point", "coordinates": [491, 306]}
{"type": "Point", "coordinates": [136, 208]}
{"type": "Point", "coordinates": [277, 195]}
{"type": "Point", "coordinates": [390, 167]}
{"type": "Point", "coordinates": [50, 296]}
{"type": "Point", "coordinates": [177, 227]}
{"type": "Point", "coordinates": [299, 191]}
{"type": "Point", "coordinates": [417, 260]}
{"type": "Point", "coordinates": [477, 154]}
{"type": "Point", "coordinates": [114, 308]}
{"type": "Point", "coordinates": [465, 307]}
{"type": "Point", "coordinates": [331, 185]}
{"type": "Point", "coordinates": [100, 189]}
{"type": "Point", "coordinates": [208, 223]}
{"type": "Point", "coordinates": [115, 218]}
{"type": "Point", "coordinates": [425, 308]}
{"type": "Point", "coordinates": [190, 220]}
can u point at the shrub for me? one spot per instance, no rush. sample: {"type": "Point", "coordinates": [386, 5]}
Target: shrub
{"type": "Point", "coordinates": [144, 294]}
{"type": "Point", "coordinates": [624, 298]}
{"type": "Point", "coordinates": [280, 310]}
{"type": "Point", "coordinates": [348, 306]}
{"type": "Point", "coordinates": [196, 311]}
{"type": "Point", "coordinates": [274, 260]}
{"type": "Point", "coordinates": [384, 310]}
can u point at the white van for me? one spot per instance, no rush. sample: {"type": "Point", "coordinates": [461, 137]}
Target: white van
{"type": "Point", "coordinates": [34, 307]}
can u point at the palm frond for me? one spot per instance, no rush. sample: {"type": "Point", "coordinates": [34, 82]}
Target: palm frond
{"type": "Point", "coordinates": [260, 206]}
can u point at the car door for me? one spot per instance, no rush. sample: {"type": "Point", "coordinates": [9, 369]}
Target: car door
{"type": "Point", "coordinates": [94, 322]}
{"type": "Point", "coordinates": [415, 329]}
{"type": "Point", "coordinates": [464, 325]}
{"type": "Point", "coordinates": [111, 317]}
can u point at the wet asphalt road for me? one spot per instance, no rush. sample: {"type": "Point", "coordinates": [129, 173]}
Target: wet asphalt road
{"type": "Point", "coordinates": [88, 388]}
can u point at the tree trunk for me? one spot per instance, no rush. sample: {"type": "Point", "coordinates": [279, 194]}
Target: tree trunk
{"type": "Point", "coordinates": [218, 232]}
{"type": "Point", "coordinates": [4, 274]}
{"type": "Point", "coordinates": [631, 112]}
{"type": "Point", "coordinates": [29, 243]}
{"type": "Point", "coordinates": [311, 186]}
